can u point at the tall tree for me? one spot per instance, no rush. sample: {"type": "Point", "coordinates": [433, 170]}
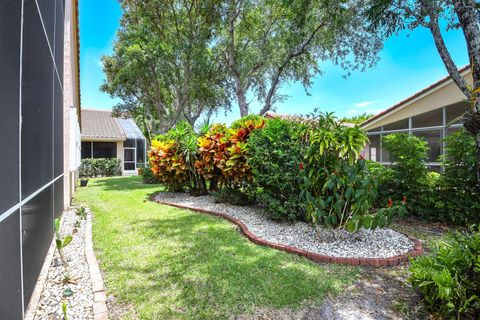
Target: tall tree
{"type": "Point", "coordinates": [392, 16]}
{"type": "Point", "coordinates": [162, 65]}
{"type": "Point", "coordinates": [263, 44]}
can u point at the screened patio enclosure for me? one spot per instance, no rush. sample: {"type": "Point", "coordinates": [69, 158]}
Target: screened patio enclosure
{"type": "Point", "coordinates": [433, 126]}
{"type": "Point", "coordinates": [134, 147]}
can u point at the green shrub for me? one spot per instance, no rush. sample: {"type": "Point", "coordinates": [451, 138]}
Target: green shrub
{"type": "Point", "coordinates": [449, 281]}
{"type": "Point", "coordinates": [103, 167]}
{"type": "Point", "coordinates": [409, 174]}
{"type": "Point", "coordinates": [237, 197]}
{"type": "Point", "coordinates": [276, 153]}
{"type": "Point", "coordinates": [336, 185]}
{"type": "Point", "coordinates": [147, 175]}
{"type": "Point", "coordinates": [459, 195]}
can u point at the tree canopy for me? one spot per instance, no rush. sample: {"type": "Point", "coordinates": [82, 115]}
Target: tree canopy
{"type": "Point", "coordinates": [178, 59]}
{"type": "Point", "coordinates": [391, 16]}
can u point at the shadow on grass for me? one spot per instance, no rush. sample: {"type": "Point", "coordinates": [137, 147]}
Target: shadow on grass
{"type": "Point", "coordinates": [122, 184]}
{"type": "Point", "coordinates": [207, 271]}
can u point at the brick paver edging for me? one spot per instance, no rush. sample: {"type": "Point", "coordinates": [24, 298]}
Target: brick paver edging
{"type": "Point", "coordinates": [100, 311]}
{"type": "Point", "coordinates": [374, 262]}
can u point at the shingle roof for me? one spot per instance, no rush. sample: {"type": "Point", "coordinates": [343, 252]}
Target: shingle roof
{"type": "Point", "coordinates": [100, 124]}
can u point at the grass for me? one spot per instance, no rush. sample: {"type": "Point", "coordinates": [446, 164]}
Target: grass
{"type": "Point", "coordinates": [169, 263]}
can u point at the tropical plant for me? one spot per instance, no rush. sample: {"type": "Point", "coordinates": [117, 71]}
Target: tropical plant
{"type": "Point", "coordinates": [237, 172]}
{"type": "Point", "coordinates": [168, 165]}
{"type": "Point", "coordinates": [275, 155]}
{"type": "Point", "coordinates": [60, 242]}
{"type": "Point", "coordinates": [81, 212]}
{"type": "Point", "coordinates": [212, 148]}
{"type": "Point", "coordinates": [64, 310]}
{"type": "Point", "coordinates": [458, 191]}
{"type": "Point", "coordinates": [223, 153]}
{"type": "Point", "coordinates": [449, 280]}
{"type": "Point", "coordinates": [337, 187]}
{"type": "Point", "coordinates": [409, 173]}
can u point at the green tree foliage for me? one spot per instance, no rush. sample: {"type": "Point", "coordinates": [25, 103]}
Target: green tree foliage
{"type": "Point", "coordinates": [450, 279]}
{"type": "Point", "coordinates": [264, 44]}
{"type": "Point", "coordinates": [162, 66]}
{"type": "Point", "coordinates": [276, 154]}
{"type": "Point", "coordinates": [458, 199]}
{"type": "Point", "coordinates": [358, 119]}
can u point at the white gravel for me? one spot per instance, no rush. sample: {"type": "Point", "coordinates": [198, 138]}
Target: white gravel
{"type": "Point", "coordinates": [80, 303]}
{"type": "Point", "coordinates": [378, 243]}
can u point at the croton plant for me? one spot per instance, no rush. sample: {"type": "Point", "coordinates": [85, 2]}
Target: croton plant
{"type": "Point", "coordinates": [223, 153]}
{"type": "Point", "coordinates": [167, 164]}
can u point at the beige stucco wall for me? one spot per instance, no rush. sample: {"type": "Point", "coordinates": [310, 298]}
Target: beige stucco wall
{"type": "Point", "coordinates": [444, 95]}
{"type": "Point", "coordinates": [120, 152]}
{"type": "Point", "coordinates": [71, 128]}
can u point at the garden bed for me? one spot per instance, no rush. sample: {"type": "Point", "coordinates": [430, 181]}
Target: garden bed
{"type": "Point", "coordinates": [379, 247]}
{"type": "Point", "coordinates": [82, 292]}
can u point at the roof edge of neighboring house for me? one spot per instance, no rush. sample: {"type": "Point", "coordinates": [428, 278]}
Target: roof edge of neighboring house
{"type": "Point", "coordinates": [102, 139]}
{"type": "Point", "coordinates": [406, 101]}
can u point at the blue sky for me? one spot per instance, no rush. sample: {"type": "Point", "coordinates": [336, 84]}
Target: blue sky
{"type": "Point", "coordinates": [409, 62]}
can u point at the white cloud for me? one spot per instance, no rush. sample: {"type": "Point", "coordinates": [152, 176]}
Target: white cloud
{"type": "Point", "coordinates": [365, 104]}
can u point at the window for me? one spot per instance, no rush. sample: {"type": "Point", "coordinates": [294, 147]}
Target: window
{"type": "Point", "coordinates": [140, 151]}
{"type": "Point", "coordinates": [86, 149]}
{"type": "Point", "coordinates": [428, 119]}
{"type": "Point", "coordinates": [374, 147]}
{"type": "Point", "coordinates": [104, 150]}
{"type": "Point", "coordinates": [454, 111]}
{"type": "Point", "coordinates": [434, 142]}
{"type": "Point", "coordinates": [385, 154]}
{"type": "Point", "coordinates": [129, 143]}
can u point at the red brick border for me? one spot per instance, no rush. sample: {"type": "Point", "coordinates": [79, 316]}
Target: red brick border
{"type": "Point", "coordinates": [374, 262]}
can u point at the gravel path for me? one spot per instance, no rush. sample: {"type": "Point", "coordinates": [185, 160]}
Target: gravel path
{"type": "Point", "coordinates": [378, 243]}
{"type": "Point", "coordinates": [80, 302]}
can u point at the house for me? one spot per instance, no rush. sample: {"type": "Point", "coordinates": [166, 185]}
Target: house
{"type": "Point", "coordinates": [104, 136]}
{"type": "Point", "coordinates": [433, 113]}
{"type": "Point", "coordinates": [40, 138]}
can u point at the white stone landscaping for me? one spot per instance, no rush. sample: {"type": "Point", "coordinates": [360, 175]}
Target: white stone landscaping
{"type": "Point", "coordinates": [378, 243]}
{"type": "Point", "coordinates": [77, 294]}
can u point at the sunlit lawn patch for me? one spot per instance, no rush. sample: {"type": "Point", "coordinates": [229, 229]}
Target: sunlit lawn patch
{"type": "Point", "coordinates": [170, 263]}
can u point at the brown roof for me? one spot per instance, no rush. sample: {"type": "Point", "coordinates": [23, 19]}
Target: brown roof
{"type": "Point", "coordinates": [430, 87]}
{"type": "Point", "coordinates": [100, 124]}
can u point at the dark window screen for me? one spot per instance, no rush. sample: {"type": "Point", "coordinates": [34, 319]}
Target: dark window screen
{"type": "Point", "coordinates": [104, 150]}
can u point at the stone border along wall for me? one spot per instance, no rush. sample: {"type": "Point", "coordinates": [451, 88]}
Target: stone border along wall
{"type": "Point", "coordinates": [100, 311]}
{"type": "Point", "coordinates": [373, 262]}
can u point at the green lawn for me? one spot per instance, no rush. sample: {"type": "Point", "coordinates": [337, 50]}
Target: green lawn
{"type": "Point", "coordinates": [176, 264]}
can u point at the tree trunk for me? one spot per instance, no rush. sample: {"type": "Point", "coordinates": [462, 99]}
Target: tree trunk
{"type": "Point", "coordinates": [478, 158]}
{"type": "Point", "coordinates": [468, 17]}
{"type": "Point", "coordinates": [241, 99]}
